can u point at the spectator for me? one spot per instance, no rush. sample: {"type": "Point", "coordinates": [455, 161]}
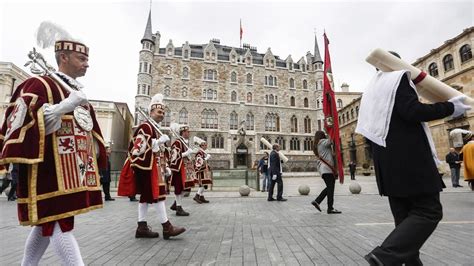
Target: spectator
{"type": "Point", "coordinates": [263, 169]}
{"type": "Point", "coordinates": [452, 158]}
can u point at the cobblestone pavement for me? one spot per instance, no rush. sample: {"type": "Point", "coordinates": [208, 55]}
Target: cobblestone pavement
{"type": "Point", "coordinates": [232, 230]}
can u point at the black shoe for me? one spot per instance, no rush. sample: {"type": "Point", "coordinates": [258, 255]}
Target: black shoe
{"type": "Point", "coordinates": [333, 211]}
{"type": "Point", "coordinates": [282, 199]}
{"type": "Point", "coordinates": [271, 199]}
{"type": "Point", "coordinates": [459, 186]}
{"type": "Point", "coordinates": [316, 205]}
{"type": "Point", "coordinates": [373, 260]}
{"type": "Point", "coordinates": [133, 199]}
{"type": "Point", "coordinates": [109, 199]}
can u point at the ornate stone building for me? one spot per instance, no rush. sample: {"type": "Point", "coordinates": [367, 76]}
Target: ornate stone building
{"type": "Point", "coordinates": [219, 90]}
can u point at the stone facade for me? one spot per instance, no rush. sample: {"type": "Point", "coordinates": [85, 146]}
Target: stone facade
{"type": "Point", "coordinates": [115, 121]}
{"type": "Point", "coordinates": [10, 77]}
{"type": "Point", "coordinates": [219, 90]}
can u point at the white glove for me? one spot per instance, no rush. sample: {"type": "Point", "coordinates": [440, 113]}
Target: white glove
{"type": "Point", "coordinates": [459, 106]}
{"type": "Point", "coordinates": [155, 145]}
{"type": "Point", "coordinates": [274, 177]}
{"type": "Point", "coordinates": [187, 153]}
{"type": "Point", "coordinates": [67, 105]}
{"type": "Point", "coordinates": [208, 156]}
{"type": "Point", "coordinates": [163, 139]}
{"type": "Point", "coordinates": [167, 171]}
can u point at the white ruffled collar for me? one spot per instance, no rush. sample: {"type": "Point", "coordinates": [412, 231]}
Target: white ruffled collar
{"type": "Point", "coordinates": [76, 84]}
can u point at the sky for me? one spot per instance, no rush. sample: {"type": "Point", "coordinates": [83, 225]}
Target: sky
{"type": "Point", "coordinates": [113, 30]}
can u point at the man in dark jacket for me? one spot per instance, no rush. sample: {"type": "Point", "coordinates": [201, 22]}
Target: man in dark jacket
{"type": "Point", "coordinates": [105, 178]}
{"type": "Point", "coordinates": [352, 169]}
{"type": "Point", "coordinates": [452, 158]}
{"type": "Point", "coordinates": [275, 171]}
{"type": "Point", "coordinates": [405, 165]}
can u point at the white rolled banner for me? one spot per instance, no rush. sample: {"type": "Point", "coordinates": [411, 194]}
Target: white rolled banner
{"type": "Point", "coordinates": [270, 146]}
{"type": "Point", "coordinates": [427, 87]}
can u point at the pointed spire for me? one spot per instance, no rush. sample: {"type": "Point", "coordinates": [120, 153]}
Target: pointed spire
{"type": "Point", "coordinates": [317, 55]}
{"type": "Point", "coordinates": [148, 36]}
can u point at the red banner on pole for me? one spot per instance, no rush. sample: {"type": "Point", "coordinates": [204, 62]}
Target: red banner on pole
{"type": "Point", "coordinates": [331, 118]}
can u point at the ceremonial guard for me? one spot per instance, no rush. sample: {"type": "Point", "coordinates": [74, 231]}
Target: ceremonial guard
{"type": "Point", "coordinates": [182, 174]}
{"type": "Point", "coordinates": [51, 132]}
{"type": "Point", "coordinates": [202, 170]}
{"type": "Point", "coordinates": [142, 175]}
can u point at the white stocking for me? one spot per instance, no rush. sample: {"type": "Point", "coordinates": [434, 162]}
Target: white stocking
{"type": "Point", "coordinates": [161, 211]}
{"type": "Point", "coordinates": [65, 245]}
{"type": "Point", "coordinates": [142, 211]}
{"type": "Point", "coordinates": [200, 191]}
{"type": "Point", "coordinates": [178, 199]}
{"type": "Point", "coordinates": [35, 246]}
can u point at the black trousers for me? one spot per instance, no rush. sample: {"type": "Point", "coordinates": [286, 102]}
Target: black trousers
{"type": "Point", "coordinates": [353, 177]}
{"type": "Point", "coordinates": [6, 182]}
{"type": "Point", "coordinates": [106, 189]}
{"type": "Point", "coordinates": [279, 181]}
{"type": "Point", "coordinates": [415, 220]}
{"type": "Point", "coordinates": [330, 181]}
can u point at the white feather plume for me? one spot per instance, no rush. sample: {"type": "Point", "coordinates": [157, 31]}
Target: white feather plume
{"type": "Point", "coordinates": [48, 33]}
{"type": "Point", "coordinates": [175, 127]}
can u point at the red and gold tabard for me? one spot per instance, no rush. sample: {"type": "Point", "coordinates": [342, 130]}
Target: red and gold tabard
{"type": "Point", "coordinates": [58, 173]}
{"type": "Point", "coordinates": [201, 168]}
{"type": "Point", "coordinates": [141, 173]}
{"type": "Point", "coordinates": [181, 168]}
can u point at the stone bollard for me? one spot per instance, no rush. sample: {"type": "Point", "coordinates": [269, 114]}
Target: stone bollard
{"type": "Point", "coordinates": [244, 191]}
{"type": "Point", "coordinates": [355, 188]}
{"type": "Point", "coordinates": [303, 190]}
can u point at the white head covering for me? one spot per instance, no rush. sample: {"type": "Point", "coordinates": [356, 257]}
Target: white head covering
{"type": "Point", "coordinates": [198, 140]}
{"type": "Point", "coordinates": [177, 128]}
{"type": "Point", "coordinates": [156, 102]}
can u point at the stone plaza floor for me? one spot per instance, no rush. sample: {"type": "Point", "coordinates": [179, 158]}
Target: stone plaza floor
{"type": "Point", "coordinates": [234, 230]}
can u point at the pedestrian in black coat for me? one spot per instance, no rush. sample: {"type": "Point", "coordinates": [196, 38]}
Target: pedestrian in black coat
{"type": "Point", "coordinates": [405, 168]}
{"type": "Point", "coordinates": [275, 172]}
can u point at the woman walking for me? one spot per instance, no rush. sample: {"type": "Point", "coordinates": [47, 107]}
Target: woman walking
{"type": "Point", "coordinates": [325, 163]}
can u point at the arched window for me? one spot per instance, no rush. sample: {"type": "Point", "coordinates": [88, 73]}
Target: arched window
{"type": "Point", "coordinates": [233, 96]}
{"type": "Point", "coordinates": [357, 111]}
{"type": "Point", "coordinates": [307, 124]}
{"type": "Point", "coordinates": [183, 116]}
{"type": "Point", "coordinates": [339, 103]}
{"type": "Point", "coordinates": [209, 94]}
{"type": "Point", "coordinates": [185, 73]}
{"type": "Point", "coordinates": [306, 102]}
{"type": "Point", "coordinates": [448, 62]}
{"type": "Point", "coordinates": [281, 141]}
{"type": "Point", "coordinates": [270, 80]}
{"type": "Point", "coordinates": [167, 119]}
{"type": "Point", "coordinates": [210, 74]}
{"type": "Point", "coordinates": [465, 53]}
{"type": "Point", "coordinates": [294, 124]}
{"type": "Point", "coordinates": [308, 144]}
{"type": "Point", "coordinates": [217, 141]}
{"type": "Point", "coordinates": [352, 113]}
{"type": "Point", "coordinates": [184, 92]}
{"type": "Point", "coordinates": [294, 144]}
{"type": "Point", "coordinates": [209, 119]}
{"type": "Point", "coordinates": [249, 122]}
{"type": "Point", "coordinates": [317, 103]}
{"type": "Point", "coordinates": [292, 83]}
{"type": "Point", "coordinates": [249, 97]}
{"type": "Point", "coordinates": [233, 77]}
{"type": "Point", "coordinates": [272, 122]}
{"type": "Point", "coordinates": [249, 78]}
{"type": "Point", "coordinates": [234, 121]}
{"type": "Point", "coordinates": [167, 91]}
{"type": "Point", "coordinates": [433, 69]}
{"type": "Point", "coordinates": [305, 84]}
{"type": "Point", "coordinates": [271, 99]}
{"type": "Point", "coordinates": [343, 118]}
{"type": "Point", "coordinates": [292, 101]}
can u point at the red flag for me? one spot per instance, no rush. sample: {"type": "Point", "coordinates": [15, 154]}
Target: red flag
{"type": "Point", "coordinates": [241, 30]}
{"type": "Point", "coordinates": [331, 118]}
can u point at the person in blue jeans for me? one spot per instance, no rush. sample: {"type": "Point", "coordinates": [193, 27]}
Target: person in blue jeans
{"type": "Point", "coordinates": [263, 169]}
